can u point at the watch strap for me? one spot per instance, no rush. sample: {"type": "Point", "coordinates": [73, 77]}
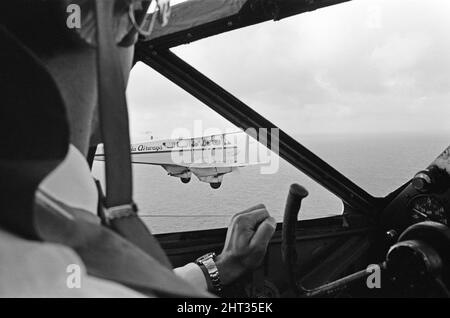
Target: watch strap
{"type": "Point", "coordinates": [209, 268]}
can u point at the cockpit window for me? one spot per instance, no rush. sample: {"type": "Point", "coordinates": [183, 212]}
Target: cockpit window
{"type": "Point", "coordinates": [366, 90]}
{"type": "Point", "coordinates": [160, 110]}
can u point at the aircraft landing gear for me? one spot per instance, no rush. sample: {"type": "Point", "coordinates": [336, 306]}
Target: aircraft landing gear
{"type": "Point", "coordinates": [185, 180]}
{"type": "Point", "coordinates": [215, 185]}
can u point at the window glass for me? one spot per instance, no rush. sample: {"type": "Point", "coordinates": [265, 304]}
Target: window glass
{"type": "Point", "coordinates": [160, 110]}
{"type": "Point", "coordinates": [363, 84]}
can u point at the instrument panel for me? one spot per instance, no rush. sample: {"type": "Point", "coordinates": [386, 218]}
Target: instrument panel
{"type": "Point", "coordinates": [430, 203]}
{"type": "Point", "coordinates": [425, 198]}
{"type": "Point", "coordinates": [425, 207]}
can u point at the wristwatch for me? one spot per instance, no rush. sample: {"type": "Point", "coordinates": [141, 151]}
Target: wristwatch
{"type": "Point", "coordinates": [208, 261]}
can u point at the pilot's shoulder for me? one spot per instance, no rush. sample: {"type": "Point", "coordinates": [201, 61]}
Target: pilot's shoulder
{"type": "Point", "coordinates": [40, 269]}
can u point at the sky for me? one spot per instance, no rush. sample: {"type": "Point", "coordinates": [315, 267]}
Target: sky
{"type": "Point", "coordinates": [366, 66]}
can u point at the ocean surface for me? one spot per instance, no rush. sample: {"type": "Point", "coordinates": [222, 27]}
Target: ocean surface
{"type": "Point", "coordinates": [377, 163]}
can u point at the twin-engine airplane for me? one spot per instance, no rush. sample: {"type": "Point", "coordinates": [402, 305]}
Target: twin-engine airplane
{"type": "Point", "coordinates": [209, 158]}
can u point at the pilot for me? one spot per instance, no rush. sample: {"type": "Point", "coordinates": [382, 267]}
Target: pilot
{"type": "Point", "coordinates": [48, 117]}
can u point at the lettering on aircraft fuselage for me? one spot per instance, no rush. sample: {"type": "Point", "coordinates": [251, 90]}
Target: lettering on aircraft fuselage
{"type": "Point", "coordinates": [146, 148]}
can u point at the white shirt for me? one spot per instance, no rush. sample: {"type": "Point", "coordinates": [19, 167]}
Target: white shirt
{"type": "Point", "coordinates": [40, 269]}
{"type": "Point", "coordinates": [72, 183]}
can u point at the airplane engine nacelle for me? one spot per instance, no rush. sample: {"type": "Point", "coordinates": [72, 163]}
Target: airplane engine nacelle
{"type": "Point", "coordinates": [214, 181]}
{"type": "Point", "coordinates": [179, 172]}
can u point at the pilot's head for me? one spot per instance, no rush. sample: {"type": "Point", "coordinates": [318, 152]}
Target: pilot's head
{"type": "Point", "coordinates": [57, 58]}
{"type": "Point", "coordinates": [62, 34]}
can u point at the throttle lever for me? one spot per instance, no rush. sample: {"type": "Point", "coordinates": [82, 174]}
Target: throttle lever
{"type": "Point", "coordinates": [288, 249]}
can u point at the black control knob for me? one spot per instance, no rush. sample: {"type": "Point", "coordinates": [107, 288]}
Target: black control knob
{"type": "Point", "coordinates": [430, 179]}
{"type": "Point", "coordinates": [422, 181]}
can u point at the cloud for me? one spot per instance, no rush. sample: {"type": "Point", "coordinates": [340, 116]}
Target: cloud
{"type": "Point", "coordinates": [362, 66]}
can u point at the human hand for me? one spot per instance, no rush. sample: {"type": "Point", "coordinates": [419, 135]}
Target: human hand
{"type": "Point", "coordinates": [246, 243]}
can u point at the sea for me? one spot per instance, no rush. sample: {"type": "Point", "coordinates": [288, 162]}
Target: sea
{"type": "Point", "coordinates": [378, 163]}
